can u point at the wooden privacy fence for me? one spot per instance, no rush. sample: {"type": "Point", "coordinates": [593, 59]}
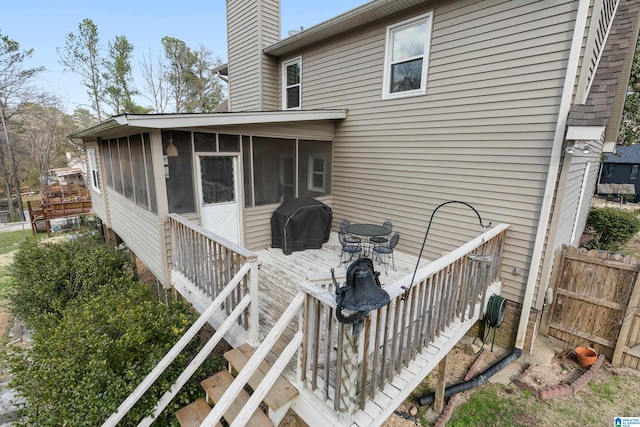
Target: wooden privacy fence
{"type": "Point", "coordinates": [597, 301]}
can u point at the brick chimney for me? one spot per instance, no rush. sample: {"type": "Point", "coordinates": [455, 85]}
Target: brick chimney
{"type": "Point", "coordinates": [252, 25]}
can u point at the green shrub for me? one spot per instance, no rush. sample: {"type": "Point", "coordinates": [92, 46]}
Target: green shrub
{"type": "Point", "coordinates": [612, 228]}
{"type": "Point", "coordinates": [80, 369]}
{"type": "Point", "coordinates": [48, 276]}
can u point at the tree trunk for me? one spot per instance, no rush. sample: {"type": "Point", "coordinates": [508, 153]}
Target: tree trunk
{"type": "Point", "coordinates": [14, 168]}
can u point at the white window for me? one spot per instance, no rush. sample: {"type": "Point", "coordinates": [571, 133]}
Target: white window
{"type": "Point", "coordinates": [93, 170]}
{"type": "Point", "coordinates": [291, 86]}
{"type": "Point", "coordinates": [317, 172]}
{"type": "Point", "coordinates": [407, 57]}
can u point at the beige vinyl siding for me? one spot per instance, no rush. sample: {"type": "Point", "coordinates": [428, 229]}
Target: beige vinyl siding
{"type": "Point", "coordinates": [139, 229]}
{"type": "Point", "coordinates": [247, 64]}
{"type": "Point", "coordinates": [244, 56]}
{"type": "Point", "coordinates": [257, 223]}
{"type": "Point", "coordinates": [98, 203]}
{"type": "Point", "coordinates": [482, 134]}
{"type": "Point", "coordinates": [270, 71]}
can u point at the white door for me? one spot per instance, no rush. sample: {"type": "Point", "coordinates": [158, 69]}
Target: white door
{"type": "Point", "coordinates": [219, 195]}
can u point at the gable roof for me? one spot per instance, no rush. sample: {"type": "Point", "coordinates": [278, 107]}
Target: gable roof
{"type": "Point", "coordinates": [612, 74]}
{"type": "Point", "coordinates": [361, 15]}
{"type": "Point", "coordinates": [624, 154]}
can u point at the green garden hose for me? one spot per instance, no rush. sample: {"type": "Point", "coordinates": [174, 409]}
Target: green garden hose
{"type": "Point", "coordinates": [493, 318]}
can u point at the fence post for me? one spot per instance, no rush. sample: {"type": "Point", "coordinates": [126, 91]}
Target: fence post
{"type": "Point", "coordinates": [627, 321]}
{"type": "Point", "coordinates": [555, 273]}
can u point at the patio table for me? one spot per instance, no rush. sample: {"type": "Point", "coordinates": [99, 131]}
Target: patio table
{"type": "Point", "coordinates": [367, 231]}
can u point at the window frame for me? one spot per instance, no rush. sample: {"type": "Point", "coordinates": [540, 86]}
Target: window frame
{"type": "Point", "coordinates": [311, 172]}
{"type": "Point", "coordinates": [391, 31]}
{"type": "Point", "coordinates": [634, 172]}
{"type": "Point", "coordinates": [297, 60]}
{"type": "Point", "coordinates": [92, 160]}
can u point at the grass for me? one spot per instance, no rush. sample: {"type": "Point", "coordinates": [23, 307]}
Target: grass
{"type": "Point", "coordinates": [11, 240]}
{"type": "Point", "coordinates": [612, 393]}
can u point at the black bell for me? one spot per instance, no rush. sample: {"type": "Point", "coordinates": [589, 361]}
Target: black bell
{"type": "Point", "coordinates": [361, 293]}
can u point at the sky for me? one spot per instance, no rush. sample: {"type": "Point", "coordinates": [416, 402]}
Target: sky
{"type": "Point", "coordinates": [42, 25]}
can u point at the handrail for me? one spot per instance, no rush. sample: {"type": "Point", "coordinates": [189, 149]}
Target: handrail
{"type": "Point", "coordinates": [244, 252]}
{"type": "Point", "coordinates": [252, 365]}
{"type": "Point", "coordinates": [448, 291]}
{"type": "Point", "coordinates": [142, 388]}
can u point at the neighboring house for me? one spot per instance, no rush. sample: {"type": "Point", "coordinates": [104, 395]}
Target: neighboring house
{"type": "Point", "coordinates": [620, 167]}
{"type": "Point", "coordinates": [68, 176]}
{"type": "Point", "coordinates": [387, 111]}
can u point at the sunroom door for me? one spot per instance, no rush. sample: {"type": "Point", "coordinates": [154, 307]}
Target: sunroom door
{"type": "Point", "coordinates": [219, 195]}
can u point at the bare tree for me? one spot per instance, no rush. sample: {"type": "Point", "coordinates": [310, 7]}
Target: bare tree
{"type": "Point", "coordinates": [43, 131]}
{"type": "Point", "coordinates": [81, 55]}
{"type": "Point", "coordinates": [14, 91]}
{"type": "Point", "coordinates": [155, 87]}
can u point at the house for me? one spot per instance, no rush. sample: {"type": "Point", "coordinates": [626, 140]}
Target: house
{"type": "Point", "coordinates": [387, 111]}
{"type": "Point", "coordinates": [618, 168]}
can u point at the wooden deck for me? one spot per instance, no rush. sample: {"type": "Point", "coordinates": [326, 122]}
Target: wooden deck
{"type": "Point", "coordinates": [280, 275]}
{"type": "Point", "coordinates": [341, 380]}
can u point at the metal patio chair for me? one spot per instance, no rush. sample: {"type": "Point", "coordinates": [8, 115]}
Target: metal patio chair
{"type": "Point", "coordinates": [354, 240]}
{"type": "Point", "coordinates": [347, 248]}
{"type": "Point", "coordinates": [379, 240]}
{"type": "Point", "coordinates": [385, 252]}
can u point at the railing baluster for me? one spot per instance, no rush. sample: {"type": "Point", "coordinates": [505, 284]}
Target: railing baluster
{"type": "Point", "coordinates": [317, 308]}
{"type": "Point", "coordinates": [328, 349]}
{"type": "Point", "coordinates": [376, 348]}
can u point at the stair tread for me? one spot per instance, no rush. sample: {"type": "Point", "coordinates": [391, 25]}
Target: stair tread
{"type": "Point", "coordinates": [282, 391]}
{"type": "Point", "coordinates": [193, 414]}
{"type": "Point", "coordinates": [216, 386]}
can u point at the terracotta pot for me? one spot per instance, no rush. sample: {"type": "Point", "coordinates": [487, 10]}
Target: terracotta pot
{"type": "Point", "coordinates": [586, 356]}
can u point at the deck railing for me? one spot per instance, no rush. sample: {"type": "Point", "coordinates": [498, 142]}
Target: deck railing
{"type": "Point", "coordinates": [209, 262]}
{"type": "Point", "coordinates": [346, 372]}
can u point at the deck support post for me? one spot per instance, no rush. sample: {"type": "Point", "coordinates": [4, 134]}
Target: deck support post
{"type": "Point", "coordinates": [438, 403]}
{"type": "Point", "coordinates": [349, 376]}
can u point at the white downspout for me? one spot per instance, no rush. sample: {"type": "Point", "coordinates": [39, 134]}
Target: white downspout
{"type": "Point", "coordinates": [554, 165]}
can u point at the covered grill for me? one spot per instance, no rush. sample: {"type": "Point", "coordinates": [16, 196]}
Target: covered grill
{"type": "Point", "coordinates": [299, 224]}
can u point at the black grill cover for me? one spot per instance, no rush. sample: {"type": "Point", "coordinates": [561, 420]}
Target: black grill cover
{"type": "Point", "coordinates": [299, 224]}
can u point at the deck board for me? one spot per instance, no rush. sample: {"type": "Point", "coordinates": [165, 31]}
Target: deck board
{"type": "Point", "coordinates": [280, 274]}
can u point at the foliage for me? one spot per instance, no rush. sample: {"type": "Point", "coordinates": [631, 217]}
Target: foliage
{"type": "Point", "coordinates": [612, 228]}
{"type": "Point", "coordinates": [194, 88]}
{"type": "Point", "coordinates": [79, 370]}
{"type": "Point", "coordinates": [99, 333]}
{"type": "Point", "coordinates": [49, 276]}
{"type": "Point", "coordinates": [81, 55]}
{"type": "Point", "coordinates": [119, 87]}
{"type": "Point", "coordinates": [630, 125]}
{"type": "Point", "coordinates": [14, 91]}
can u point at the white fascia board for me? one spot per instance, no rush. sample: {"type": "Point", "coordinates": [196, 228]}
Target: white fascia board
{"type": "Point", "coordinates": [585, 133]}
{"type": "Point", "coordinates": [227, 119]}
{"type": "Point", "coordinates": [165, 121]}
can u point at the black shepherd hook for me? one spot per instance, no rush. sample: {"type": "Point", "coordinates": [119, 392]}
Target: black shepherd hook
{"type": "Point", "coordinates": [484, 227]}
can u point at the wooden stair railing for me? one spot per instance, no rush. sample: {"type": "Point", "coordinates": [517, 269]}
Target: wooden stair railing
{"type": "Point", "coordinates": [255, 372]}
{"type": "Point", "coordinates": [216, 305]}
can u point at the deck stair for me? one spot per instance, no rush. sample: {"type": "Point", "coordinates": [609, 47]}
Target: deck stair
{"type": "Point", "coordinates": [281, 395]}
{"type": "Point", "coordinates": [278, 400]}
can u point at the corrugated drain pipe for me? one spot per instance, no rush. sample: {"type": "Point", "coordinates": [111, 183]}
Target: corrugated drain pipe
{"type": "Point", "coordinates": [474, 382]}
{"type": "Point", "coordinates": [493, 319]}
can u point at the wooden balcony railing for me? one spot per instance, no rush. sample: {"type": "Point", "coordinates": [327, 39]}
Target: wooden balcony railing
{"type": "Point", "coordinates": [347, 372]}
{"type": "Point", "coordinates": [209, 262]}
